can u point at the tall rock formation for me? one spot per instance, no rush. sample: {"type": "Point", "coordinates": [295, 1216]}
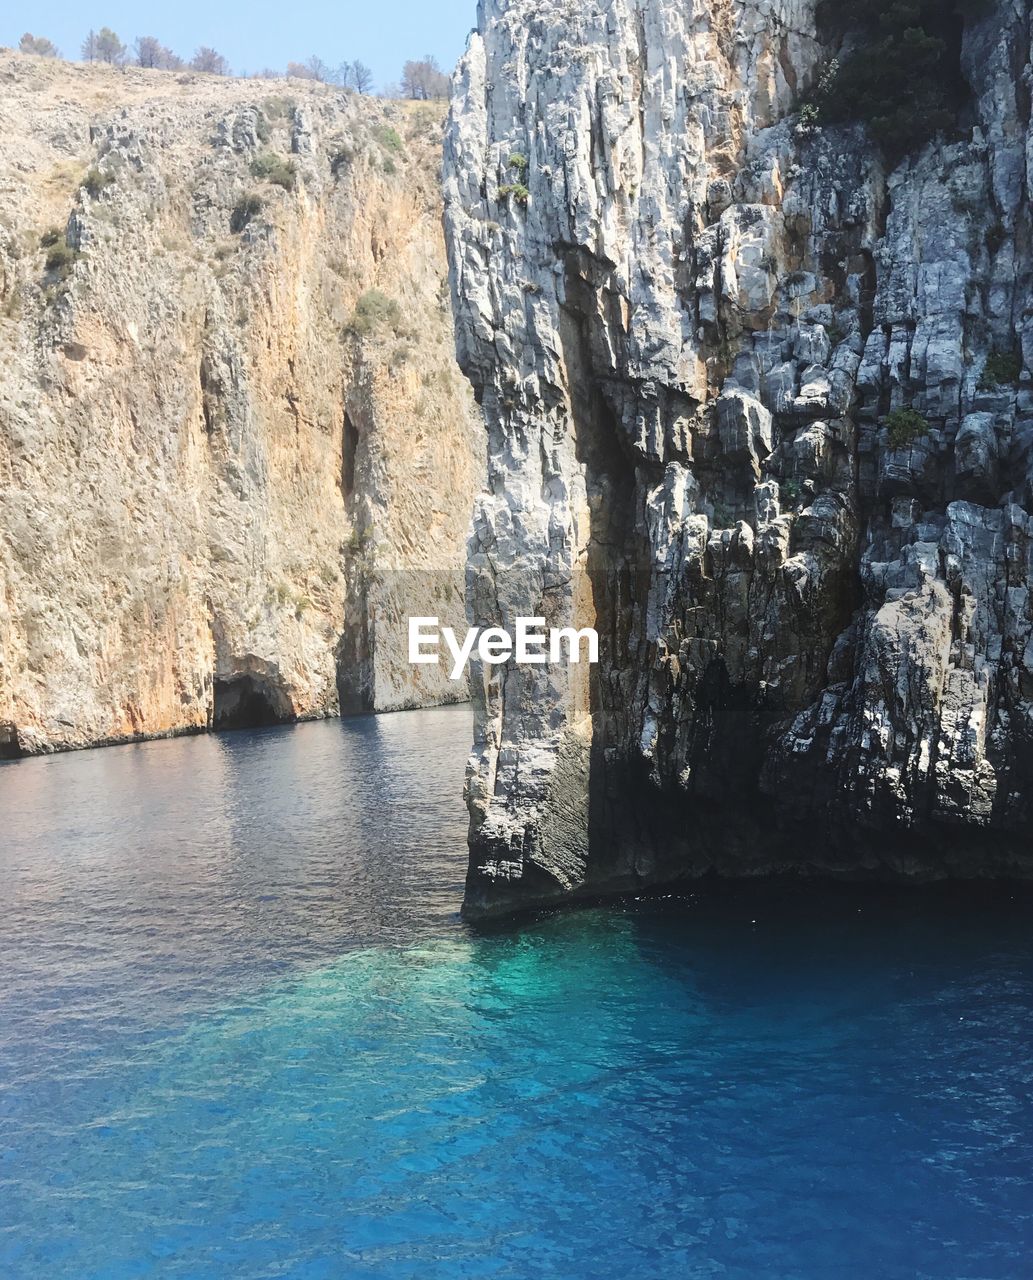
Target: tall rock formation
{"type": "Point", "coordinates": [761, 411]}
{"type": "Point", "coordinates": [234, 445]}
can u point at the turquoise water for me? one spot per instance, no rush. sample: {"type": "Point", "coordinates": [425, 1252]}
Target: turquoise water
{"type": "Point", "coordinates": [243, 1033]}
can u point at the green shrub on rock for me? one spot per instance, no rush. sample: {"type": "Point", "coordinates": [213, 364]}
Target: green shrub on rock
{"type": "Point", "coordinates": [269, 167]}
{"type": "Point", "coordinates": [374, 310]}
{"type": "Point", "coordinates": [390, 139]}
{"type": "Point", "coordinates": [60, 258]}
{"type": "Point", "coordinates": [900, 69]}
{"type": "Point", "coordinates": [277, 107]}
{"type": "Point", "coordinates": [516, 190]}
{"type": "Point", "coordinates": [1002, 369]}
{"type": "Point", "coordinates": [905, 426]}
{"type": "Point", "coordinates": [246, 208]}
{"type": "Point", "coordinates": [96, 181]}
{"type": "Point", "coordinates": [341, 158]}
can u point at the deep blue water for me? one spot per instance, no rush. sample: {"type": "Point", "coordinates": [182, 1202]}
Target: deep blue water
{"type": "Point", "coordinates": [243, 1033]}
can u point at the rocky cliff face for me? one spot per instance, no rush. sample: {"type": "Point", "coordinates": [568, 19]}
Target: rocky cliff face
{"type": "Point", "coordinates": [234, 444]}
{"type": "Point", "coordinates": [760, 411]}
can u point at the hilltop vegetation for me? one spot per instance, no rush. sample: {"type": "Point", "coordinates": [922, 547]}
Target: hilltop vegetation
{"type": "Point", "coordinates": [421, 80]}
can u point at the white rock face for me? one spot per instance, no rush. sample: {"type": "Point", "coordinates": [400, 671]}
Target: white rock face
{"type": "Point", "coordinates": [689, 321]}
{"type": "Point", "coordinates": [217, 498]}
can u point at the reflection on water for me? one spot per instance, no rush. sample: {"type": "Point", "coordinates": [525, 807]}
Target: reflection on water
{"type": "Point", "coordinates": [165, 870]}
{"type": "Point", "coordinates": [244, 1034]}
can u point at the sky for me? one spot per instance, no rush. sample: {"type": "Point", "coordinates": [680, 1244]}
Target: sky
{"type": "Point", "coordinates": [253, 34]}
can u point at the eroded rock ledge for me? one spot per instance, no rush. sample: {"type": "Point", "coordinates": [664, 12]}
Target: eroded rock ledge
{"type": "Point", "coordinates": [224, 477]}
{"type": "Point", "coordinates": [694, 327]}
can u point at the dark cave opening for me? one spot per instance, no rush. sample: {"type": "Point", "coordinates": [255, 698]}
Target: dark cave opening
{"type": "Point", "coordinates": [243, 702]}
{"type": "Point", "coordinates": [349, 447]}
{"type": "Point", "coordinates": [10, 747]}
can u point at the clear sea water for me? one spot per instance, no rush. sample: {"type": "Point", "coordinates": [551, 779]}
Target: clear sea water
{"type": "Point", "coordinates": [243, 1033]}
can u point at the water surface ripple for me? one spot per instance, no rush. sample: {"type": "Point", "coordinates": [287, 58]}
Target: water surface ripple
{"type": "Point", "coordinates": [243, 1033]}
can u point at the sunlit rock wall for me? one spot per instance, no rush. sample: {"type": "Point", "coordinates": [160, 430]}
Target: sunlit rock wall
{"type": "Point", "coordinates": [219, 474]}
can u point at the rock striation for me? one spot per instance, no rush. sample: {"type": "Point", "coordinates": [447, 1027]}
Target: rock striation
{"type": "Point", "coordinates": [234, 443]}
{"type": "Point", "coordinates": [761, 411]}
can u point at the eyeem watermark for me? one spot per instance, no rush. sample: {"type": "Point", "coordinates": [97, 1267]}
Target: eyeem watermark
{"type": "Point", "coordinates": [528, 645]}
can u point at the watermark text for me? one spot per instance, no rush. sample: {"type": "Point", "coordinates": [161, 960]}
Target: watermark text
{"type": "Point", "coordinates": [529, 644]}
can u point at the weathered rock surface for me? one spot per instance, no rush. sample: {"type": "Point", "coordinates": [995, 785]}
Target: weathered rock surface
{"type": "Point", "coordinates": [689, 321]}
{"type": "Point", "coordinates": [213, 492]}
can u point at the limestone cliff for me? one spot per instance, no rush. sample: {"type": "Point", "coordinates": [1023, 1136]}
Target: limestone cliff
{"type": "Point", "coordinates": [232, 431]}
{"type": "Point", "coordinates": [761, 411]}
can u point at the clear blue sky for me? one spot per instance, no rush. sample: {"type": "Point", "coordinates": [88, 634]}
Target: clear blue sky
{"type": "Point", "coordinates": [260, 33]}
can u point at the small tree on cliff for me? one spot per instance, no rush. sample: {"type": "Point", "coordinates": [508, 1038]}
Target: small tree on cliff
{"type": "Point", "coordinates": [150, 52]}
{"type": "Point", "coordinates": [318, 70]}
{"type": "Point", "coordinates": [424, 79]}
{"type": "Point", "coordinates": [39, 45]}
{"type": "Point", "coordinates": [103, 46]}
{"type": "Point", "coordinates": [314, 69]}
{"type": "Point", "coordinates": [210, 61]}
{"type": "Point", "coordinates": [354, 75]}
{"type": "Point", "coordinates": [361, 77]}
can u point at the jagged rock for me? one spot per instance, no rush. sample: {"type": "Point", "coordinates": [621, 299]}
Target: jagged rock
{"type": "Point", "coordinates": [815, 631]}
{"type": "Point", "coordinates": [976, 454]}
{"type": "Point", "coordinates": [744, 429]}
